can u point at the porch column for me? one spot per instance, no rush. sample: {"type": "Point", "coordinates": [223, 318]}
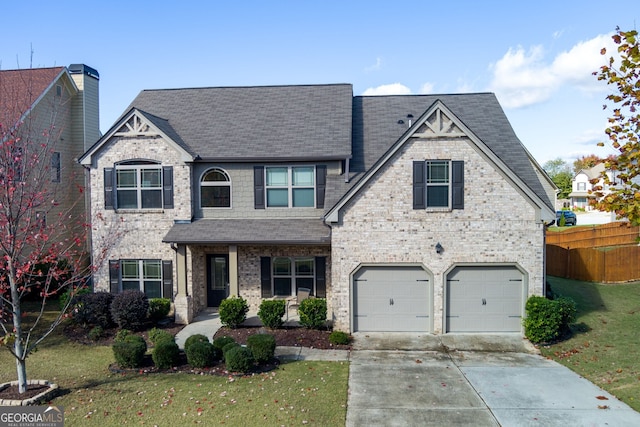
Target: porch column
{"type": "Point", "coordinates": [183, 305]}
{"type": "Point", "coordinates": [233, 271]}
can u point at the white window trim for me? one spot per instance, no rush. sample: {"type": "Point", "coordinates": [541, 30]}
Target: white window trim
{"type": "Point", "coordinates": [449, 185]}
{"type": "Point", "coordinates": [293, 276]}
{"type": "Point", "coordinates": [214, 184]}
{"type": "Point", "coordinates": [290, 187]}
{"type": "Point", "coordinates": [138, 168]}
{"type": "Point", "coordinates": [140, 278]}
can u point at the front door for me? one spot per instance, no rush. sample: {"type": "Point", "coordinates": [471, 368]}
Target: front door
{"type": "Point", "coordinates": [217, 279]}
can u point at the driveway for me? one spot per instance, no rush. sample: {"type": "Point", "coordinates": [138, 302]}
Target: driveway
{"type": "Point", "coordinates": [392, 385]}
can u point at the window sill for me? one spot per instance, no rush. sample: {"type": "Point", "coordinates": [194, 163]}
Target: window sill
{"type": "Point", "coordinates": [140, 211]}
{"type": "Point", "coordinates": [438, 209]}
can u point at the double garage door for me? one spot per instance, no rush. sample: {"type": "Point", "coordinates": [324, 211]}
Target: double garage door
{"type": "Point", "coordinates": [399, 299]}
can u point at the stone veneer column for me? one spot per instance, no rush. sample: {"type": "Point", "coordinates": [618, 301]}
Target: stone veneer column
{"type": "Point", "coordinates": [233, 271]}
{"type": "Point", "coordinates": [183, 302]}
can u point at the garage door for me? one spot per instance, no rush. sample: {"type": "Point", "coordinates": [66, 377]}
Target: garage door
{"type": "Point", "coordinates": [391, 299]}
{"type": "Point", "coordinates": [484, 299]}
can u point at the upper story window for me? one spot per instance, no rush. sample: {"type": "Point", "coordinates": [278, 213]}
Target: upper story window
{"type": "Point", "coordinates": [138, 185]}
{"type": "Point", "coordinates": [582, 186]}
{"type": "Point", "coordinates": [215, 189]}
{"type": "Point", "coordinates": [292, 186]}
{"type": "Point", "coordinates": [55, 167]}
{"type": "Point", "coordinates": [438, 184]}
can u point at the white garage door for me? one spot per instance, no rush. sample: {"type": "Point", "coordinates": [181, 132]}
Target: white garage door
{"type": "Point", "coordinates": [391, 299]}
{"type": "Point", "coordinates": [485, 299]}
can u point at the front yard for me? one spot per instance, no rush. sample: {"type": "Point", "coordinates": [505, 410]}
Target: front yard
{"type": "Point", "coordinates": [296, 393]}
{"type": "Point", "coordinates": [604, 346]}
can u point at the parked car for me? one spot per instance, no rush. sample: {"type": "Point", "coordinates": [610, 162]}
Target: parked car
{"type": "Point", "coordinates": [569, 218]}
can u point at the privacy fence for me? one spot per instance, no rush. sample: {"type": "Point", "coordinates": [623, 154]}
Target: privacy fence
{"type": "Point", "coordinates": [607, 253]}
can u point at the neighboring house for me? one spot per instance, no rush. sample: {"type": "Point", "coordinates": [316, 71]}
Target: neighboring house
{"type": "Point", "coordinates": [581, 186]}
{"type": "Point", "coordinates": [60, 101]}
{"type": "Point", "coordinates": [408, 213]}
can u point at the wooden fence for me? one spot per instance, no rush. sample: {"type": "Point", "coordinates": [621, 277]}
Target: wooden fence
{"type": "Point", "coordinates": [607, 253]}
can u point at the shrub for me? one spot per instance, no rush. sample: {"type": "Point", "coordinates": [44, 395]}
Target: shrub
{"type": "Point", "coordinates": [228, 347]}
{"type": "Point", "coordinates": [201, 354]}
{"type": "Point", "coordinates": [129, 309]}
{"type": "Point", "coordinates": [96, 333]}
{"type": "Point", "coordinates": [239, 359]}
{"type": "Point", "coordinates": [220, 342]}
{"type": "Point", "coordinates": [271, 312]}
{"type": "Point", "coordinates": [262, 346]}
{"type": "Point", "coordinates": [194, 339]}
{"type": "Point", "coordinates": [93, 309]}
{"type": "Point", "coordinates": [156, 335]}
{"type": "Point", "coordinates": [76, 291]}
{"type": "Point", "coordinates": [129, 351]}
{"type": "Point", "coordinates": [313, 313]}
{"type": "Point", "coordinates": [159, 308]}
{"type": "Point", "coordinates": [165, 354]}
{"type": "Point", "coordinates": [121, 335]}
{"type": "Point", "coordinates": [547, 319]}
{"type": "Point", "coordinates": [233, 311]}
{"type": "Point", "coordinates": [339, 338]}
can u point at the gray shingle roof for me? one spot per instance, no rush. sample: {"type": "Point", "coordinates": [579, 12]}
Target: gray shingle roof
{"type": "Point", "coordinates": [251, 231]}
{"type": "Point", "coordinates": [262, 122]}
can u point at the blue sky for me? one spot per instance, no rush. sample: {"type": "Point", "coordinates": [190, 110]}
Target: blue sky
{"type": "Point", "coordinates": [537, 56]}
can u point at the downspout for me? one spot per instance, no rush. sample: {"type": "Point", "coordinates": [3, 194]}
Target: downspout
{"type": "Point", "coordinates": [346, 172]}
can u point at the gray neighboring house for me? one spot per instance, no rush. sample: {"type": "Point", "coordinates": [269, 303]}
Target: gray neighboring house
{"type": "Point", "coordinates": [392, 207]}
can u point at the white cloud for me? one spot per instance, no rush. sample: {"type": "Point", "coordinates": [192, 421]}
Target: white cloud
{"type": "Point", "coordinates": [390, 89]}
{"type": "Point", "coordinates": [375, 66]}
{"type": "Point", "coordinates": [426, 88]}
{"type": "Point", "coordinates": [522, 78]}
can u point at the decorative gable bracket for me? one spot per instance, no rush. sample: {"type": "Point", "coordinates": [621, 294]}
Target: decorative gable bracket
{"type": "Point", "coordinates": [438, 125]}
{"type": "Point", "coordinates": [135, 126]}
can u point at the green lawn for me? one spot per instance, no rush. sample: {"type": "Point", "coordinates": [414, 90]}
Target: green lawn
{"type": "Point", "coordinates": [296, 393]}
{"type": "Point", "coordinates": [604, 347]}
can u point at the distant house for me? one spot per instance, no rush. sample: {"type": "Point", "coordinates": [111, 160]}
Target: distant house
{"type": "Point", "coordinates": [581, 186]}
{"type": "Point", "coordinates": [407, 213]}
{"type": "Point", "coordinates": [63, 103]}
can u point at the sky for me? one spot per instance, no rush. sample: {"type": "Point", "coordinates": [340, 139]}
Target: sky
{"type": "Point", "coordinates": [536, 56]}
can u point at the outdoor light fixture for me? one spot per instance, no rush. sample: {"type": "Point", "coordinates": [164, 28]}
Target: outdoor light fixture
{"type": "Point", "coordinates": [439, 248]}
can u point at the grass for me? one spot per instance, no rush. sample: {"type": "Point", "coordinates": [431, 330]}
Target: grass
{"type": "Point", "coordinates": [302, 392]}
{"type": "Point", "coordinates": [604, 346]}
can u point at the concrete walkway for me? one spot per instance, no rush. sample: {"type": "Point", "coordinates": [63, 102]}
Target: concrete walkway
{"type": "Point", "coordinates": [400, 379]}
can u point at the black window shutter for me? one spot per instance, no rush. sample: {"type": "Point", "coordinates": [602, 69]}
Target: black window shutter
{"type": "Point", "coordinates": [321, 280]}
{"type": "Point", "coordinates": [419, 186]}
{"type": "Point", "coordinates": [109, 184]}
{"type": "Point", "coordinates": [167, 279]}
{"type": "Point", "coordinates": [457, 184]}
{"type": "Point", "coordinates": [114, 276]}
{"type": "Point", "coordinates": [258, 187]}
{"type": "Point", "coordinates": [167, 187]}
{"type": "Point", "coordinates": [265, 276]}
{"type": "Point", "coordinates": [321, 185]}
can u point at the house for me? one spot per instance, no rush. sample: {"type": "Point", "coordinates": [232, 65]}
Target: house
{"type": "Point", "coordinates": [407, 213]}
{"type": "Point", "coordinates": [581, 186]}
{"type": "Point", "coordinates": [60, 103]}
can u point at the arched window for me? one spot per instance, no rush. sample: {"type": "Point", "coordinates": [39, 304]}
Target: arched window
{"type": "Point", "coordinates": [215, 189]}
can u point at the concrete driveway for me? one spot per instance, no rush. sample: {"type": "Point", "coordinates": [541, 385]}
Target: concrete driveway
{"type": "Point", "coordinates": [451, 383]}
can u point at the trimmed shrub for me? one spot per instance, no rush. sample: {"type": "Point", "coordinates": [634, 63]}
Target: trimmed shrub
{"type": "Point", "coordinates": [313, 313]}
{"type": "Point", "coordinates": [121, 335]}
{"type": "Point", "coordinates": [165, 354]}
{"type": "Point", "coordinates": [96, 333]}
{"type": "Point", "coordinates": [547, 319]}
{"type": "Point", "coordinates": [76, 291]}
{"type": "Point", "coordinates": [156, 335]}
{"type": "Point", "coordinates": [220, 342]}
{"type": "Point", "coordinates": [129, 309]}
{"type": "Point", "coordinates": [339, 338]}
{"type": "Point", "coordinates": [159, 309]}
{"type": "Point", "coordinates": [228, 347]}
{"type": "Point", "coordinates": [93, 309]}
{"type": "Point", "coordinates": [262, 346]}
{"type": "Point", "coordinates": [194, 339]}
{"type": "Point", "coordinates": [239, 359]}
{"type": "Point", "coordinates": [233, 311]}
{"type": "Point", "coordinates": [271, 312]}
{"type": "Point", "coordinates": [201, 354]}
{"type": "Point", "coordinates": [129, 350]}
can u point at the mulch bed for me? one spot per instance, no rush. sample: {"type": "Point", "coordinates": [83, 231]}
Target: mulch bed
{"type": "Point", "coordinates": [292, 336]}
{"type": "Point", "coordinates": [12, 392]}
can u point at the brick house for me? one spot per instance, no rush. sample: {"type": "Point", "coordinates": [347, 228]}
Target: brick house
{"type": "Point", "coordinates": [392, 208]}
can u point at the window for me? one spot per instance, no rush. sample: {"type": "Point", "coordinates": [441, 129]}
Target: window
{"type": "Point", "coordinates": [582, 186]}
{"type": "Point", "coordinates": [151, 276]}
{"type": "Point", "coordinates": [438, 184]}
{"type": "Point", "coordinates": [290, 274]}
{"type": "Point", "coordinates": [138, 185]}
{"type": "Point", "coordinates": [215, 189]}
{"type": "Point", "coordinates": [55, 167]}
{"type": "Point", "coordinates": [290, 186]}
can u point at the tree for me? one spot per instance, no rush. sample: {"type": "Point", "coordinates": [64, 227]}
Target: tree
{"type": "Point", "coordinates": [560, 173]}
{"type": "Point", "coordinates": [43, 229]}
{"type": "Point", "coordinates": [623, 74]}
{"type": "Point", "coordinates": [586, 162]}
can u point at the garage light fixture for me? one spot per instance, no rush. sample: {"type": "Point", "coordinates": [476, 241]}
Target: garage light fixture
{"type": "Point", "coordinates": [439, 248]}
